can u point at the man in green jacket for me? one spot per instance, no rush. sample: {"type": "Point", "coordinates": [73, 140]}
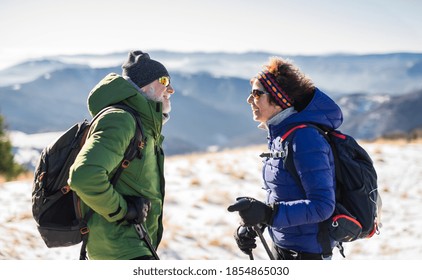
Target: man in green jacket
{"type": "Point", "coordinates": [138, 195]}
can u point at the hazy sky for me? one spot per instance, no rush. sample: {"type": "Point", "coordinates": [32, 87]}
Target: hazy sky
{"type": "Point", "coordinates": [33, 28]}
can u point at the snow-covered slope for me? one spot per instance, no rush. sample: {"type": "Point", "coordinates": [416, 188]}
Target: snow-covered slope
{"type": "Point", "coordinates": [199, 189]}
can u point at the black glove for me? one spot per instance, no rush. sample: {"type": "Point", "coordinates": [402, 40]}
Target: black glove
{"type": "Point", "coordinates": [137, 209]}
{"type": "Point", "coordinates": [252, 211]}
{"type": "Point", "coordinates": [245, 239]}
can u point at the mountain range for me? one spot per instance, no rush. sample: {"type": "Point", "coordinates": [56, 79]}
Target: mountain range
{"type": "Point", "coordinates": [379, 94]}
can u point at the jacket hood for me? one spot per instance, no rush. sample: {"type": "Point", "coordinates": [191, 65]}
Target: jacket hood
{"type": "Point", "coordinates": [321, 110]}
{"type": "Point", "coordinates": [114, 89]}
{"type": "Point", "coordinates": [110, 90]}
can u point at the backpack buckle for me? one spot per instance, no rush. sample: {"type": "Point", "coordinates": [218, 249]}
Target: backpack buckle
{"type": "Point", "coordinates": [65, 189]}
{"type": "Point", "coordinates": [274, 155]}
{"type": "Point", "coordinates": [84, 230]}
{"type": "Point", "coordinates": [41, 176]}
{"type": "Point", "coordinates": [125, 163]}
{"type": "Point", "coordinates": [141, 144]}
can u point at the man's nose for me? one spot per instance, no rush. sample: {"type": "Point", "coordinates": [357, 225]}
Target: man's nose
{"type": "Point", "coordinates": [170, 89]}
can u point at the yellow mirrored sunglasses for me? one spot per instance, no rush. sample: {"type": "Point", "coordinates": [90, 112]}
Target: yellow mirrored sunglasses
{"type": "Point", "coordinates": [164, 80]}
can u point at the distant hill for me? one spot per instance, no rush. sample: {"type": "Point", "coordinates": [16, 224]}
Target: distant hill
{"type": "Point", "coordinates": [393, 73]}
{"type": "Point", "coordinates": [370, 117]}
{"type": "Point", "coordinates": [379, 94]}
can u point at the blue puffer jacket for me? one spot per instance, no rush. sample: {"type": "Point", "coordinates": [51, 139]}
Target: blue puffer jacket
{"type": "Point", "coordinates": [300, 209]}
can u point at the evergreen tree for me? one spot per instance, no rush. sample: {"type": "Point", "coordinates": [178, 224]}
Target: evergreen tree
{"type": "Point", "coordinates": [8, 167]}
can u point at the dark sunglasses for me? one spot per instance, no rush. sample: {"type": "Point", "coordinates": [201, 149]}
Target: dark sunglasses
{"type": "Point", "coordinates": [256, 93]}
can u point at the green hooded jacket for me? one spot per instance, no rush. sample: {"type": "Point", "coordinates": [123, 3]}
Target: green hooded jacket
{"type": "Point", "coordinates": [107, 140]}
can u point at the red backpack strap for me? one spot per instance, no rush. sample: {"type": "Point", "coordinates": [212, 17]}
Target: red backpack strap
{"type": "Point", "coordinates": [285, 135]}
{"type": "Point", "coordinates": [323, 235]}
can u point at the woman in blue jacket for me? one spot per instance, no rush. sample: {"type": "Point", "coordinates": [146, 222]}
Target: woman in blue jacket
{"type": "Point", "coordinates": [281, 98]}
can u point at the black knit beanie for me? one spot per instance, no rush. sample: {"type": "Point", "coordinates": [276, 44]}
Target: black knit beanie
{"type": "Point", "coordinates": [141, 69]}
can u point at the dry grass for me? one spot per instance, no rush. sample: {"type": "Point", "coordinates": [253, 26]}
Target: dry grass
{"type": "Point", "coordinates": [195, 156]}
{"type": "Point", "coordinates": [195, 182]}
{"type": "Point", "coordinates": [27, 176]}
{"type": "Point", "coordinates": [401, 141]}
{"type": "Point", "coordinates": [404, 195]}
{"type": "Point", "coordinates": [387, 249]}
{"type": "Point", "coordinates": [217, 242]}
{"type": "Point", "coordinates": [219, 197]}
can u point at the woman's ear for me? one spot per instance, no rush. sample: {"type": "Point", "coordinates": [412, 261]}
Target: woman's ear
{"type": "Point", "coordinates": [278, 107]}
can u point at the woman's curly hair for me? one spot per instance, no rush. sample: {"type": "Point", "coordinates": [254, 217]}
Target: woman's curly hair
{"type": "Point", "coordinates": [296, 84]}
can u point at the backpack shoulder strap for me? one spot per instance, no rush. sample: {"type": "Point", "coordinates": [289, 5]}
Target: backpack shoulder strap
{"type": "Point", "coordinates": [323, 236]}
{"type": "Point", "coordinates": [139, 130]}
{"type": "Point", "coordinates": [287, 137]}
{"type": "Point", "coordinates": [132, 151]}
{"type": "Point", "coordinates": [289, 133]}
{"type": "Point", "coordinates": [137, 142]}
{"type": "Point", "coordinates": [288, 159]}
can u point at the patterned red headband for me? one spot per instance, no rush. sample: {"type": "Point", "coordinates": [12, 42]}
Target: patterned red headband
{"type": "Point", "coordinates": [270, 84]}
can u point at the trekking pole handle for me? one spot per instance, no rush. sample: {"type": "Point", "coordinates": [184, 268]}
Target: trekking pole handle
{"type": "Point", "coordinates": [259, 233]}
{"type": "Point", "coordinates": [143, 235]}
{"type": "Point", "coordinates": [140, 231]}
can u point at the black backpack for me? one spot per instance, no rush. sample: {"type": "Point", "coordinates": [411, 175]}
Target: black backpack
{"type": "Point", "coordinates": [55, 207]}
{"type": "Point", "coordinates": [357, 197]}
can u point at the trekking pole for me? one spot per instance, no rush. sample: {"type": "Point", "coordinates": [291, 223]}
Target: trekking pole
{"type": "Point", "coordinates": [258, 231]}
{"type": "Point", "coordinates": [143, 235]}
{"type": "Point", "coordinates": [250, 255]}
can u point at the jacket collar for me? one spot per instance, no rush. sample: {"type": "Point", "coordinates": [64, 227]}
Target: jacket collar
{"type": "Point", "coordinates": [321, 110]}
{"type": "Point", "coordinates": [277, 119]}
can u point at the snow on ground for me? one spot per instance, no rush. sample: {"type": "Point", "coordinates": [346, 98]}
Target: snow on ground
{"type": "Point", "coordinates": [199, 189]}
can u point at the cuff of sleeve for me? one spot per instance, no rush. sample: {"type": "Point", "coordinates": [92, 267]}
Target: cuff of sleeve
{"type": "Point", "coordinates": [274, 208]}
{"type": "Point", "coordinates": [119, 214]}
